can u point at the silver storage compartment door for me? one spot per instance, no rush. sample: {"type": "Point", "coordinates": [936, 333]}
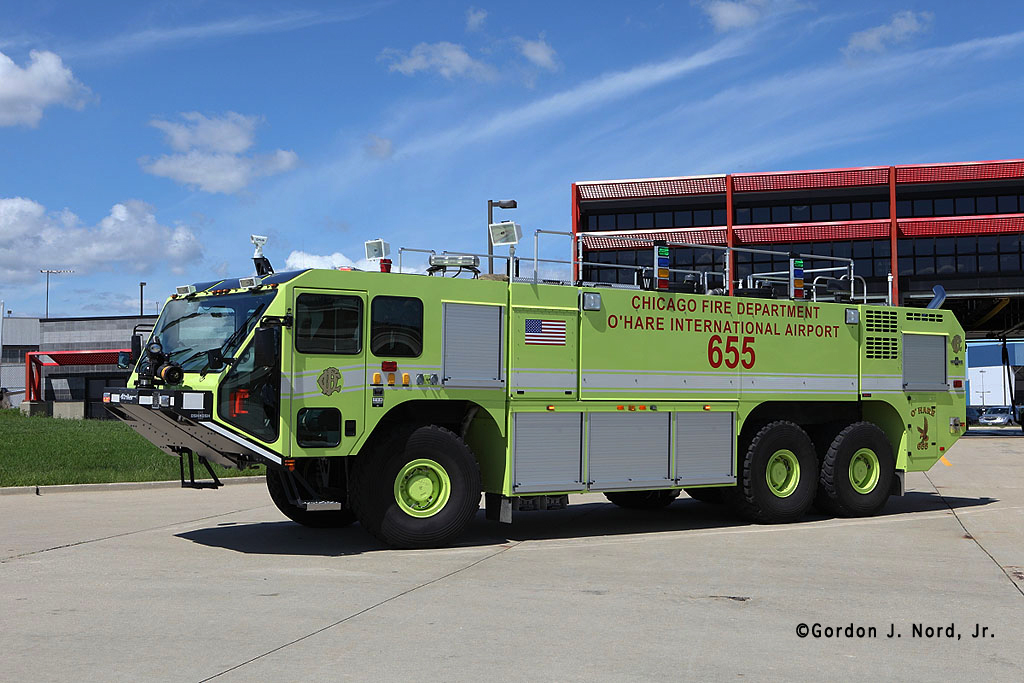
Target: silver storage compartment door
{"type": "Point", "coordinates": [473, 345]}
{"type": "Point", "coordinates": [547, 452]}
{"type": "Point", "coordinates": [924, 362]}
{"type": "Point", "coordinates": [704, 448]}
{"type": "Point", "coordinates": [629, 450]}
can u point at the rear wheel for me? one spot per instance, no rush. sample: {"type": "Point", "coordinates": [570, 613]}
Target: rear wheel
{"type": "Point", "coordinates": [643, 500]}
{"type": "Point", "coordinates": [857, 472]}
{"type": "Point", "coordinates": [277, 487]}
{"type": "Point", "coordinates": [778, 476]}
{"type": "Point", "coordinates": [419, 489]}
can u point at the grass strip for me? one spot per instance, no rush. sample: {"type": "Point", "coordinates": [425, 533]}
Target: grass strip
{"type": "Point", "coordinates": [44, 451]}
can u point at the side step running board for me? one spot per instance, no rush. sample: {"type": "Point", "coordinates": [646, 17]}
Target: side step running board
{"type": "Point", "coordinates": [191, 482]}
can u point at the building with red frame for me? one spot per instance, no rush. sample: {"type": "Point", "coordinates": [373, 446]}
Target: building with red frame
{"type": "Point", "coordinates": [957, 224]}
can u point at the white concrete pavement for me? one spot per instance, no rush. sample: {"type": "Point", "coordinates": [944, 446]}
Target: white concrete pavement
{"type": "Point", "coordinates": [166, 584]}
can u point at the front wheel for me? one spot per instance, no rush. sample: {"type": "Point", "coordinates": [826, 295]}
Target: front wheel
{"type": "Point", "coordinates": [328, 519]}
{"type": "Point", "coordinates": [857, 472]}
{"type": "Point", "coordinates": [778, 476]}
{"type": "Point", "coordinates": [419, 489]}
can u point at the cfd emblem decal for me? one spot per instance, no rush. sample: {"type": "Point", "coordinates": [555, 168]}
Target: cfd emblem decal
{"type": "Point", "coordinates": [329, 381]}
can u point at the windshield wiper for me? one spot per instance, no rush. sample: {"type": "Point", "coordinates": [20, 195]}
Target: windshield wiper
{"type": "Point", "coordinates": [235, 337]}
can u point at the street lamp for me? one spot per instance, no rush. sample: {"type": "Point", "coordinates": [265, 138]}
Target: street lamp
{"type": "Point", "coordinates": [48, 271]}
{"type": "Point", "coordinates": [501, 204]}
{"type": "Point", "coordinates": [142, 285]}
{"type": "Point", "coordinates": [983, 392]}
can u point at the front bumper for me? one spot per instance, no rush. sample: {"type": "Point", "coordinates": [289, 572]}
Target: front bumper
{"type": "Point", "coordinates": [179, 422]}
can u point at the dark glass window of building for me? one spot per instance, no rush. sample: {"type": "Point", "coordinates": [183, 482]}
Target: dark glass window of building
{"type": "Point", "coordinates": [626, 221]}
{"type": "Point", "coordinates": [821, 212]}
{"type": "Point", "coordinates": [762, 214]}
{"type": "Point", "coordinates": [606, 222]}
{"type": "Point", "coordinates": [644, 221]}
{"type": "Point", "coordinates": [904, 209]}
{"type": "Point", "coordinates": [718, 217]}
{"type": "Point", "coordinates": [702, 217]}
{"type": "Point", "coordinates": [945, 245]}
{"type": "Point", "coordinates": [922, 207]}
{"type": "Point", "coordinates": [742, 216]}
{"type": "Point", "coordinates": [1007, 203]}
{"type": "Point", "coordinates": [663, 219]}
{"type": "Point", "coordinates": [780, 214]}
{"type": "Point", "coordinates": [801, 213]}
{"type": "Point", "coordinates": [841, 212]}
{"type": "Point", "coordinates": [943, 207]}
{"type": "Point", "coordinates": [879, 209]}
{"type": "Point", "coordinates": [964, 206]}
{"type": "Point", "coordinates": [861, 210]}
{"type": "Point", "coordinates": [684, 219]}
{"type": "Point", "coordinates": [985, 205]}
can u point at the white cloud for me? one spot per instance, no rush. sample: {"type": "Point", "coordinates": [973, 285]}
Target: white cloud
{"type": "Point", "coordinates": [180, 36]}
{"type": "Point", "coordinates": [606, 88]}
{"type": "Point", "coordinates": [128, 238]}
{"type": "Point", "coordinates": [379, 147]}
{"type": "Point", "coordinates": [209, 153]}
{"type": "Point", "coordinates": [298, 260]}
{"type": "Point", "coordinates": [539, 53]}
{"type": "Point", "coordinates": [233, 133]}
{"type": "Point", "coordinates": [475, 18]}
{"type": "Point", "coordinates": [26, 91]}
{"type": "Point", "coordinates": [900, 28]}
{"type": "Point", "coordinates": [448, 59]}
{"type": "Point", "coordinates": [726, 15]}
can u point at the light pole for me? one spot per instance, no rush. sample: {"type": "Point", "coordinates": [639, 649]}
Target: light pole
{"type": "Point", "coordinates": [48, 271]}
{"type": "Point", "coordinates": [142, 285]}
{"type": "Point", "coordinates": [501, 204]}
{"type": "Point", "coordinates": [983, 392]}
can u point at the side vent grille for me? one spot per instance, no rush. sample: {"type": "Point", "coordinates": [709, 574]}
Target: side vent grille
{"type": "Point", "coordinates": [880, 321]}
{"type": "Point", "coordinates": [882, 348]}
{"type": "Point", "coordinates": [925, 317]}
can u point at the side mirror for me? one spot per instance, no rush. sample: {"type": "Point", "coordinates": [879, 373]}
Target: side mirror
{"type": "Point", "coordinates": [264, 347]}
{"type": "Point", "coordinates": [136, 348]}
{"type": "Point", "coordinates": [215, 360]}
{"type": "Point", "coordinates": [124, 359]}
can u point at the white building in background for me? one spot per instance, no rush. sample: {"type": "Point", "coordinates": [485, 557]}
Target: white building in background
{"type": "Point", "coordinates": [987, 386]}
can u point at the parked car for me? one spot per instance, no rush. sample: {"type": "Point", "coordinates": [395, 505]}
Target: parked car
{"type": "Point", "coordinates": [973, 415]}
{"type": "Point", "coordinates": [998, 416]}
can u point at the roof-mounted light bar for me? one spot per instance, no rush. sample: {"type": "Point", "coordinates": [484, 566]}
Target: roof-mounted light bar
{"type": "Point", "coordinates": [454, 261]}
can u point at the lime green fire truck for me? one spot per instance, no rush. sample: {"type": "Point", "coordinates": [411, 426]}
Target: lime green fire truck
{"type": "Point", "coordinates": [397, 399]}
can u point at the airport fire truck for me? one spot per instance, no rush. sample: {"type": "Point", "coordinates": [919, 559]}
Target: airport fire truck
{"type": "Point", "coordinates": [396, 399]}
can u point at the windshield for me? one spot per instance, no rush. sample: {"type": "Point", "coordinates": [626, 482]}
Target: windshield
{"type": "Point", "coordinates": [998, 411]}
{"type": "Point", "coordinates": [188, 328]}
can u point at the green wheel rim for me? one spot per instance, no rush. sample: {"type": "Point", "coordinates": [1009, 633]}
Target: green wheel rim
{"type": "Point", "coordinates": [864, 471]}
{"type": "Point", "coordinates": [783, 473]}
{"type": "Point", "coordinates": [422, 488]}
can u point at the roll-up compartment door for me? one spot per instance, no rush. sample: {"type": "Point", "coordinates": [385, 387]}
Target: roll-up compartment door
{"type": "Point", "coordinates": [924, 362]}
{"type": "Point", "coordinates": [547, 452]}
{"type": "Point", "coordinates": [628, 450]}
{"type": "Point", "coordinates": [473, 345]}
{"type": "Point", "coordinates": [704, 448]}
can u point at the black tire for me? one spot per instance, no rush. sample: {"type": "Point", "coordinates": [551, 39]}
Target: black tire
{"type": "Point", "coordinates": [836, 491]}
{"type": "Point", "coordinates": [712, 496]}
{"type": "Point", "coordinates": [753, 498]}
{"type": "Point", "coordinates": [376, 477]}
{"type": "Point", "coordinates": [328, 519]}
{"type": "Point", "coordinates": [643, 500]}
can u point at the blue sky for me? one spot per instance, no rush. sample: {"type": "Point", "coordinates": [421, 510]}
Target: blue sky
{"type": "Point", "coordinates": [147, 141]}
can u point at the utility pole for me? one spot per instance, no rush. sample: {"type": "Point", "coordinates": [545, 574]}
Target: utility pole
{"type": "Point", "coordinates": [142, 286]}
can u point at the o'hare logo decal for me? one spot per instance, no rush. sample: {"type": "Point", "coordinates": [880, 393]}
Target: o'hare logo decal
{"type": "Point", "coordinates": [329, 381]}
{"type": "Point", "coordinates": [957, 343]}
{"type": "Point", "coordinates": [923, 431]}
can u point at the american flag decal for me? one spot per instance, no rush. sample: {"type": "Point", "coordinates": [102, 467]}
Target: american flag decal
{"type": "Point", "coordinates": [546, 332]}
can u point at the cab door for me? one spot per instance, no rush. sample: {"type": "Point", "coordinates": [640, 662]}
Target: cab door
{"type": "Point", "coordinates": [324, 373]}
